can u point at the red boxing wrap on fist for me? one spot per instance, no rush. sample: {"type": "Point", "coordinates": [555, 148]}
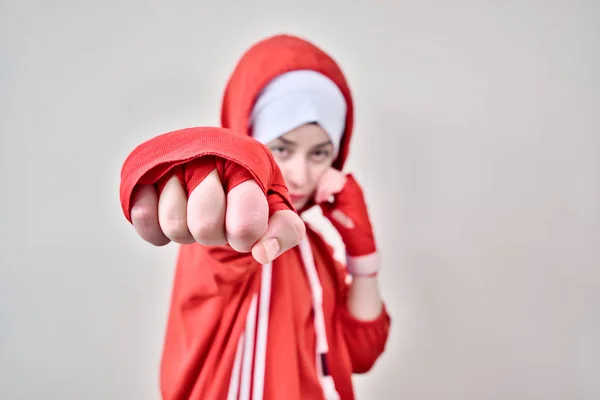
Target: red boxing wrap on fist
{"type": "Point", "coordinates": [191, 154]}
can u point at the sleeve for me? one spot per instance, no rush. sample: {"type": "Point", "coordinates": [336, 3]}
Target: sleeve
{"type": "Point", "coordinates": [366, 340]}
{"type": "Point", "coordinates": [192, 153]}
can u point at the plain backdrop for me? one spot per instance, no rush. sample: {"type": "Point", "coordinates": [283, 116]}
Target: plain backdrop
{"type": "Point", "coordinates": [477, 143]}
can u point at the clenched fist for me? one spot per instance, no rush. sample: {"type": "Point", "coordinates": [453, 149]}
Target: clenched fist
{"type": "Point", "coordinates": [215, 201]}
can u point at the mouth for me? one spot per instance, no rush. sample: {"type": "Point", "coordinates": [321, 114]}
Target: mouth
{"type": "Point", "coordinates": [297, 198]}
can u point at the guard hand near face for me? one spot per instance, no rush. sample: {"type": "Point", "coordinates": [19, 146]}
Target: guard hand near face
{"type": "Point", "coordinates": [342, 201]}
{"type": "Point", "coordinates": [331, 183]}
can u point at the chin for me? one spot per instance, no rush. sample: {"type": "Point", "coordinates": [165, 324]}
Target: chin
{"type": "Point", "coordinates": [299, 205]}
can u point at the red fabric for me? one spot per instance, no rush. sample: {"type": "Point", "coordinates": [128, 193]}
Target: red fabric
{"type": "Point", "coordinates": [213, 286]}
{"type": "Point", "coordinates": [359, 239]}
{"type": "Point", "coordinates": [207, 315]}
{"type": "Point", "coordinates": [194, 152]}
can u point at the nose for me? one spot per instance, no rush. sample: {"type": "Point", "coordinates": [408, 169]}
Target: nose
{"type": "Point", "coordinates": [297, 173]}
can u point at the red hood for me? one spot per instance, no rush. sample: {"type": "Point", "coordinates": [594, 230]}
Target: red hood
{"type": "Point", "coordinates": [265, 61]}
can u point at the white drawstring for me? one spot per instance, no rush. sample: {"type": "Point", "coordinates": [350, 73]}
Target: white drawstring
{"type": "Point", "coordinates": [248, 351]}
{"type": "Point", "coordinates": [234, 382]}
{"type": "Point", "coordinates": [240, 385]}
{"type": "Point", "coordinates": [262, 332]}
{"type": "Point", "coordinates": [322, 347]}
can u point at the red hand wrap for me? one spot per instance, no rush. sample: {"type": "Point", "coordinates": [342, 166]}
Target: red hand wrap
{"type": "Point", "coordinates": [358, 238]}
{"type": "Point", "coordinates": [191, 154]}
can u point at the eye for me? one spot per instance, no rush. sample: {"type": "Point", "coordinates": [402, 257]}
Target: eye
{"type": "Point", "coordinates": [320, 155]}
{"type": "Point", "coordinates": [280, 151]}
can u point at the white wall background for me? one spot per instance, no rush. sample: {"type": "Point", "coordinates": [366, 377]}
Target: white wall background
{"type": "Point", "coordinates": [478, 144]}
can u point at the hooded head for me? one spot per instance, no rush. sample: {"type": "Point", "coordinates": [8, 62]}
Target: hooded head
{"type": "Point", "coordinates": [285, 87]}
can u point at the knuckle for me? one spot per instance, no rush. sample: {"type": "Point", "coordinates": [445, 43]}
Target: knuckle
{"type": "Point", "coordinates": [205, 229]}
{"type": "Point", "coordinates": [244, 232]}
{"type": "Point", "coordinates": [143, 215]}
{"type": "Point", "coordinates": [250, 227]}
{"type": "Point", "coordinates": [174, 227]}
{"type": "Point", "coordinates": [299, 228]}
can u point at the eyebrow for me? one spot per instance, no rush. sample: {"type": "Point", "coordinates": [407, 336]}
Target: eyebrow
{"type": "Point", "coordinates": [288, 142]}
{"type": "Point", "coordinates": [327, 143]}
{"type": "Point", "coordinates": [292, 143]}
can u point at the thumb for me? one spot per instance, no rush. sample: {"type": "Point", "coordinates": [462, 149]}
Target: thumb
{"type": "Point", "coordinates": [286, 229]}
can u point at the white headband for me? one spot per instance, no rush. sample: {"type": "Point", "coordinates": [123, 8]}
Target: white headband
{"type": "Point", "coordinates": [297, 98]}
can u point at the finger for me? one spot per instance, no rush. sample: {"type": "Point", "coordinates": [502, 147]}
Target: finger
{"type": "Point", "coordinates": [286, 229]}
{"type": "Point", "coordinates": [162, 182]}
{"type": "Point", "coordinates": [317, 195]}
{"type": "Point", "coordinates": [324, 192]}
{"type": "Point", "coordinates": [144, 216]}
{"type": "Point", "coordinates": [322, 188]}
{"type": "Point", "coordinates": [206, 211]}
{"type": "Point", "coordinates": [246, 217]}
{"type": "Point", "coordinates": [320, 196]}
{"type": "Point", "coordinates": [336, 183]}
{"type": "Point", "coordinates": [172, 212]}
{"type": "Point", "coordinates": [331, 183]}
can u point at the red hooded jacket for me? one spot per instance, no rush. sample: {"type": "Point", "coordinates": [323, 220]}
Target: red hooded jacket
{"type": "Point", "coordinates": [236, 329]}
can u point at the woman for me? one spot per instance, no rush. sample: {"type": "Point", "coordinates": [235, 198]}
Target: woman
{"type": "Point", "coordinates": [260, 309]}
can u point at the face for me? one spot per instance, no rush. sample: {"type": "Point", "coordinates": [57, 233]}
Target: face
{"type": "Point", "coordinates": [303, 155]}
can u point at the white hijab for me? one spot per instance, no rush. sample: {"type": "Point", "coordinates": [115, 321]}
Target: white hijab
{"type": "Point", "coordinates": [297, 98]}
